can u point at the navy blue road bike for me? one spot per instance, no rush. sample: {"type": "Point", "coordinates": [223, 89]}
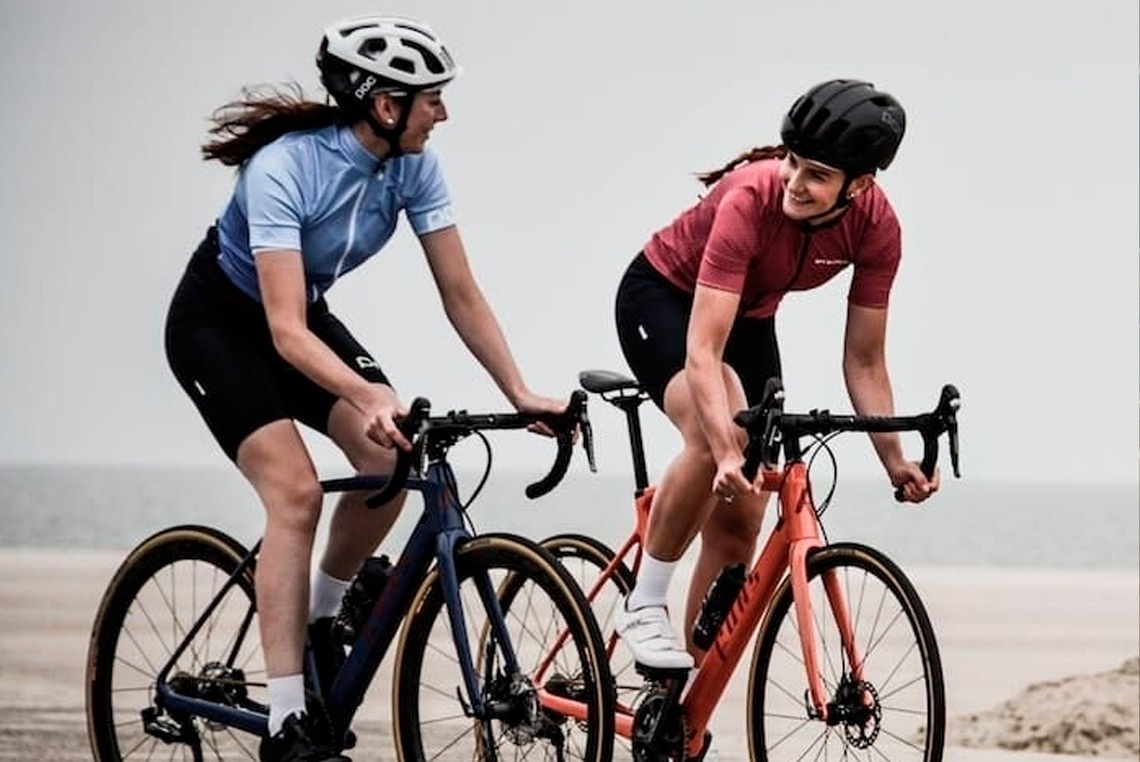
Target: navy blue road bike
{"type": "Point", "coordinates": [175, 670]}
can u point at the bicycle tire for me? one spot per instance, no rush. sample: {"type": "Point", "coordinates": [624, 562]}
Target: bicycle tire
{"type": "Point", "coordinates": [429, 719]}
{"type": "Point", "coordinates": [155, 596]}
{"type": "Point", "coordinates": [906, 716]}
{"type": "Point", "coordinates": [586, 558]}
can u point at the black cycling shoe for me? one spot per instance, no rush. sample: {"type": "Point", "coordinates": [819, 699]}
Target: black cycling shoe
{"type": "Point", "coordinates": [294, 743]}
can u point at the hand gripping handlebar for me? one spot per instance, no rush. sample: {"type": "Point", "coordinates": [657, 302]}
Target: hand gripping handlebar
{"type": "Point", "coordinates": [427, 432]}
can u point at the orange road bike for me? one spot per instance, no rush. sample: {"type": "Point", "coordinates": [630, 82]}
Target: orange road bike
{"type": "Point", "coordinates": [845, 663]}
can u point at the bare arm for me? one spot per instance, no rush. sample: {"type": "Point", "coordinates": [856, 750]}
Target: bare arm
{"type": "Point", "coordinates": [473, 320]}
{"type": "Point", "coordinates": [869, 386]}
{"type": "Point", "coordinates": [710, 323]}
{"type": "Point", "coordinates": [281, 278]}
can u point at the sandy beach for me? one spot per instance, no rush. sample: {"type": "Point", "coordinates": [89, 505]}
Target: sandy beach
{"type": "Point", "coordinates": [1034, 662]}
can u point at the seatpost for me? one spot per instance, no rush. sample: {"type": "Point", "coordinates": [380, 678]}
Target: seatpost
{"type": "Point", "coordinates": [628, 403]}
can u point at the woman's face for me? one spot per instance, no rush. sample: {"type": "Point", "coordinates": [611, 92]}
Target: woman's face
{"type": "Point", "coordinates": [810, 188]}
{"type": "Point", "coordinates": [427, 110]}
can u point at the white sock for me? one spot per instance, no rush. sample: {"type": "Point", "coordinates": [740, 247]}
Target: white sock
{"type": "Point", "coordinates": [286, 697]}
{"type": "Point", "coordinates": [325, 595]}
{"type": "Point", "coordinates": [652, 588]}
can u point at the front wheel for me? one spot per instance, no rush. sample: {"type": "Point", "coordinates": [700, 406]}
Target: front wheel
{"type": "Point", "coordinates": [895, 710]}
{"type": "Point", "coordinates": [433, 713]}
{"type": "Point", "coordinates": [157, 595]}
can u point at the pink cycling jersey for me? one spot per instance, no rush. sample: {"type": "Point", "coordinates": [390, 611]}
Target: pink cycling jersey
{"type": "Point", "coordinates": [738, 239]}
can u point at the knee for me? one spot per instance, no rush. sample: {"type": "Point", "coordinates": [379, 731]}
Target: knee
{"type": "Point", "coordinates": [367, 457]}
{"type": "Point", "coordinates": [696, 450]}
{"type": "Point", "coordinates": [295, 503]}
{"type": "Point", "coordinates": [734, 532]}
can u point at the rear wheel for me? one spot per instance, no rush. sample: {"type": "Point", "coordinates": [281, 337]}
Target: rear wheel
{"type": "Point", "coordinates": [587, 560]}
{"type": "Point", "coordinates": [434, 719]}
{"type": "Point", "coordinates": [155, 598]}
{"type": "Point", "coordinates": [894, 711]}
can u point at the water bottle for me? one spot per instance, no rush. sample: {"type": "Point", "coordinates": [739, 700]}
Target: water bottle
{"type": "Point", "coordinates": [360, 597]}
{"type": "Point", "coordinates": [717, 603]}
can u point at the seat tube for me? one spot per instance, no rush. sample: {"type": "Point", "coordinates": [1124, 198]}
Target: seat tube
{"type": "Point", "coordinates": [803, 533]}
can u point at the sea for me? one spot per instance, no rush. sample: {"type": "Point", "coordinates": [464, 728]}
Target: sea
{"type": "Point", "coordinates": [969, 523]}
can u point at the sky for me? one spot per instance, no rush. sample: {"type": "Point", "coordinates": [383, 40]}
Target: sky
{"type": "Point", "coordinates": [575, 132]}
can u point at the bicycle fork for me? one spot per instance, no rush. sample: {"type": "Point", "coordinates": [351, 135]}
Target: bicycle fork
{"type": "Point", "coordinates": [803, 543]}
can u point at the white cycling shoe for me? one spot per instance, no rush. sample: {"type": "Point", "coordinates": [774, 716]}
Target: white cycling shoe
{"type": "Point", "coordinates": [651, 639]}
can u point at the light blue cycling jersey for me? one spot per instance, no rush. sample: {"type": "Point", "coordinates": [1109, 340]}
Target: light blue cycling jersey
{"type": "Point", "coordinates": [322, 193]}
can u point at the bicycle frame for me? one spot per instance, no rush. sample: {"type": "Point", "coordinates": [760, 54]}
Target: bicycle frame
{"type": "Point", "coordinates": [439, 530]}
{"type": "Point", "coordinates": [795, 535]}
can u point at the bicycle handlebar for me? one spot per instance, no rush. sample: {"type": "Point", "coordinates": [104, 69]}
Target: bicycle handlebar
{"type": "Point", "coordinates": [425, 431]}
{"type": "Point", "coordinates": [769, 428]}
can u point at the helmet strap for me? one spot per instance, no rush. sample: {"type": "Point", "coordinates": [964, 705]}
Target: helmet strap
{"type": "Point", "coordinates": [391, 135]}
{"type": "Point", "coordinates": [840, 203]}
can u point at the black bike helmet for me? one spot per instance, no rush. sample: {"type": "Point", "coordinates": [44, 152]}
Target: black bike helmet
{"type": "Point", "coordinates": [846, 124]}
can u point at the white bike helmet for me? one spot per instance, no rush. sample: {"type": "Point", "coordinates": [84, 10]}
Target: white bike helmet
{"type": "Point", "coordinates": [362, 56]}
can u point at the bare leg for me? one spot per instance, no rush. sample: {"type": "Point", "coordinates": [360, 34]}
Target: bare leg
{"type": "Point", "coordinates": [728, 537]}
{"type": "Point", "coordinates": [277, 464]}
{"type": "Point", "coordinates": [683, 498]}
{"type": "Point", "coordinates": [683, 503]}
{"type": "Point", "coordinates": [357, 530]}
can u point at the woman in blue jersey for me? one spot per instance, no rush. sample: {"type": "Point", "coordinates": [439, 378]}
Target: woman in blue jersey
{"type": "Point", "coordinates": [251, 340]}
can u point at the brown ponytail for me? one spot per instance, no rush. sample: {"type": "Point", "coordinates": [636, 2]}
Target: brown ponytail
{"type": "Point", "coordinates": [261, 116]}
{"type": "Point", "coordinates": [754, 154]}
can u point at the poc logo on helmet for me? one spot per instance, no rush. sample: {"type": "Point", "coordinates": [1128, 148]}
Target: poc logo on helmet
{"type": "Point", "coordinates": [365, 87]}
{"type": "Point", "coordinates": [891, 121]}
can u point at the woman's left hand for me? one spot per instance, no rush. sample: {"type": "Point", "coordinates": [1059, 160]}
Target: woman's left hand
{"type": "Point", "coordinates": [907, 475]}
{"type": "Point", "coordinates": [529, 402]}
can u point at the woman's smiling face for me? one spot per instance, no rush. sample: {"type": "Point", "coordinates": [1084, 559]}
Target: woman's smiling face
{"type": "Point", "coordinates": [426, 110]}
{"type": "Point", "coordinates": [810, 188]}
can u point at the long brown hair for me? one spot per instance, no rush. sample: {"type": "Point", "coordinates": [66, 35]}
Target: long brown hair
{"type": "Point", "coordinates": [751, 155]}
{"type": "Point", "coordinates": [259, 117]}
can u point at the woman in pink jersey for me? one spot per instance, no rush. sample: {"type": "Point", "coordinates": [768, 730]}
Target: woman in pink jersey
{"type": "Point", "coordinates": [695, 320]}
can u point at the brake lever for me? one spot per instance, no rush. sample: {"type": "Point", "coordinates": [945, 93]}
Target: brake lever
{"type": "Point", "coordinates": [948, 406]}
{"type": "Point", "coordinates": [588, 442]}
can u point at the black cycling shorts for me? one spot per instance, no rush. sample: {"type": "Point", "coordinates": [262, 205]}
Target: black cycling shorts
{"type": "Point", "coordinates": [219, 346]}
{"type": "Point", "coordinates": [653, 321]}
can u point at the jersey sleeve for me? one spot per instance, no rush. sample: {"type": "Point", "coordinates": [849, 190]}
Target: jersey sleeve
{"type": "Point", "coordinates": [428, 205]}
{"type": "Point", "coordinates": [876, 264]}
{"type": "Point", "coordinates": [731, 243]}
{"type": "Point", "coordinates": [274, 202]}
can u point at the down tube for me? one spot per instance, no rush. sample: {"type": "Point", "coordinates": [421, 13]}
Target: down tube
{"type": "Point", "coordinates": [372, 643]}
{"type": "Point", "coordinates": [724, 654]}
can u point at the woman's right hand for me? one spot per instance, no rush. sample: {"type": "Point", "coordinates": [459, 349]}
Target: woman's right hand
{"type": "Point", "coordinates": [729, 482]}
{"type": "Point", "coordinates": [380, 415]}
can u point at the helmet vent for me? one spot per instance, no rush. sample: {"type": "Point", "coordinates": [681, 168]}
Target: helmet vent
{"type": "Point", "coordinates": [434, 65]}
{"type": "Point", "coordinates": [374, 48]}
